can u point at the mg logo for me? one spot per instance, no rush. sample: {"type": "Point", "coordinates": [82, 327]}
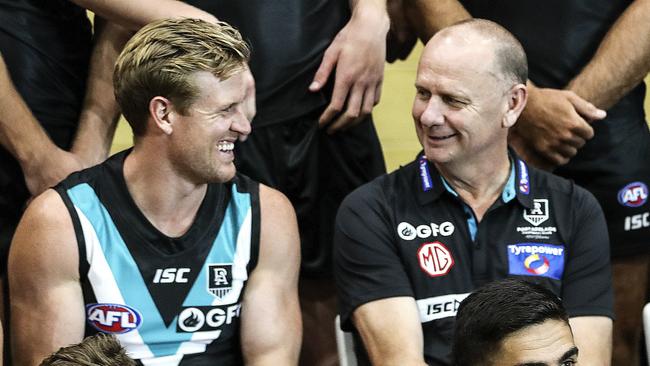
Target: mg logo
{"type": "Point", "coordinates": [539, 212]}
{"type": "Point", "coordinates": [435, 259]}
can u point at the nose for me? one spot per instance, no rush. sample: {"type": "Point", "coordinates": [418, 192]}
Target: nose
{"type": "Point", "coordinates": [433, 114]}
{"type": "Point", "coordinates": [241, 124]}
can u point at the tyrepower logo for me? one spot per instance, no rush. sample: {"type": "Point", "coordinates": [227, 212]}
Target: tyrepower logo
{"type": "Point", "coordinates": [435, 259]}
{"type": "Point", "coordinates": [407, 231]}
{"type": "Point", "coordinates": [633, 195]}
{"type": "Point", "coordinates": [113, 318]}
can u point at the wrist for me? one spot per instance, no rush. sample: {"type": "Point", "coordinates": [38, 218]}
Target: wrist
{"type": "Point", "coordinates": [372, 13]}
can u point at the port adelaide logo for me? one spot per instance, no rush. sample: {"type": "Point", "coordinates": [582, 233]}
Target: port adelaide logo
{"type": "Point", "coordinates": [113, 318]}
{"type": "Point", "coordinates": [219, 279]}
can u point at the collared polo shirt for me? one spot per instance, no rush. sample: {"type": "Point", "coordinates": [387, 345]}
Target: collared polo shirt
{"type": "Point", "coordinates": [409, 234]}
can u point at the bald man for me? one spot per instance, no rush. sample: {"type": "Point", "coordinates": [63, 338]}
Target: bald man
{"type": "Point", "coordinates": [467, 211]}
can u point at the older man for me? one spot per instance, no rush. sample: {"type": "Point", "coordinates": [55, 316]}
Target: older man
{"type": "Point", "coordinates": [165, 245]}
{"type": "Point", "coordinates": [467, 211]}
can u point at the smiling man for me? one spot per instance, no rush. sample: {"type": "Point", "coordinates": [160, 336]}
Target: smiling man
{"type": "Point", "coordinates": [513, 323]}
{"type": "Point", "coordinates": [467, 211]}
{"type": "Point", "coordinates": [165, 245]}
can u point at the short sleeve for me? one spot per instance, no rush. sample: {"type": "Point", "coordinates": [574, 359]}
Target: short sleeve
{"type": "Point", "coordinates": [587, 284]}
{"type": "Point", "coordinates": [367, 264]}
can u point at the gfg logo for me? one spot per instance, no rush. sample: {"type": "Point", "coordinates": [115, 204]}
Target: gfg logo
{"type": "Point", "coordinates": [206, 318]}
{"type": "Point", "coordinates": [407, 231]}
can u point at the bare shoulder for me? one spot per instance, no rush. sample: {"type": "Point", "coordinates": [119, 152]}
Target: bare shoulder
{"type": "Point", "coordinates": [274, 202]}
{"type": "Point", "coordinates": [45, 238]}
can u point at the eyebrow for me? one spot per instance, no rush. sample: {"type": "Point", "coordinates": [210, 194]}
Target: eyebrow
{"type": "Point", "coordinates": [570, 353]}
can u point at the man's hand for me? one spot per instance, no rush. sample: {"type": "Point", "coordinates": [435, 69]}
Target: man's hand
{"type": "Point", "coordinates": [357, 52]}
{"type": "Point", "coordinates": [554, 125]}
{"type": "Point", "coordinates": [48, 168]}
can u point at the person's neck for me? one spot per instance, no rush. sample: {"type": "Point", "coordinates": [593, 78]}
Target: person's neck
{"type": "Point", "coordinates": [478, 183]}
{"type": "Point", "coordinates": [168, 200]}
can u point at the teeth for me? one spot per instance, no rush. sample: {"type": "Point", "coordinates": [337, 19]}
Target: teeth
{"type": "Point", "coordinates": [225, 146]}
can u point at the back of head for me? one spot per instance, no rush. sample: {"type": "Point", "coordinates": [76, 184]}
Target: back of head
{"type": "Point", "coordinates": [98, 350]}
{"type": "Point", "coordinates": [510, 60]}
{"type": "Point", "coordinates": [161, 58]}
{"type": "Point", "coordinates": [496, 310]}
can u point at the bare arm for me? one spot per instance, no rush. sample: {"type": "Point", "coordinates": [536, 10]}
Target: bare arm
{"type": "Point", "coordinates": [271, 323]}
{"type": "Point", "coordinates": [43, 163]}
{"type": "Point", "coordinates": [428, 17]}
{"type": "Point", "coordinates": [621, 61]}
{"type": "Point", "coordinates": [100, 112]}
{"type": "Point", "coordinates": [47, 309]}
{"type": "Point", "coordinates": [135, 14]}
{"type": "Point", "coordinates": [593, 337]}
{"type": "Point", "coordinates": [356, 57]}
{"type": "Point", "coordinates": [391, 340]}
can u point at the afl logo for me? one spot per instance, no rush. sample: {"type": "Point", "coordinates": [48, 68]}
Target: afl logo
{"type": "Point", "coordinates": [633, 195]}
{"type": "Point", "coordinates": [113, 318]}
{"type": "Point", "coordinates": [435, 259]}
{"type": "Point", "coordinates": [536, 264]}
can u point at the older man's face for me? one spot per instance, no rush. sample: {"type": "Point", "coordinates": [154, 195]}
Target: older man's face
{"type": "Point", "coordinates": [546, 344]}
{"type": "Point", "coordinates": [460, 102]}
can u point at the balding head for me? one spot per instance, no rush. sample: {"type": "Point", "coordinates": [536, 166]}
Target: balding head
{"type": "Point", "coordinates": [508, 56]}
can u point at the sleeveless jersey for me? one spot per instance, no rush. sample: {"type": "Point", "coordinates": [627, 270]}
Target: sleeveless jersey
{"type": "Point", "coordinates": [169, 301]}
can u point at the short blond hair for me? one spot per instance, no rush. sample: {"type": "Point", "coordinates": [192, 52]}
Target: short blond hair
{"type": "Point", "coordinates": [161, 58]}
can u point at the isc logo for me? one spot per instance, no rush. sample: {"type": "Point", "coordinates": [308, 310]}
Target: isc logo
{"type": "Point", "coordinates": [633, 195]}
{"type": "Point", "coordinates": [171, 275]}
{"type": "Point", "coordinates": [113, 318]}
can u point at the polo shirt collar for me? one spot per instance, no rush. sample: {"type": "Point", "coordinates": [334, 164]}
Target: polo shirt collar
{"type": "Point", "coordinates": [431, 185]}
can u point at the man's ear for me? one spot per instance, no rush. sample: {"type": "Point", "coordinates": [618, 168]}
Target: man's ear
{"type": "Point", "coordinates": [517, 97]}
{"type": "Point", "coordinates": [160, 109]}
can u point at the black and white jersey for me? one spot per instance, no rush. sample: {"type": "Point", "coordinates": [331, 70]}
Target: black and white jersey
{"type": "Point", "coordinates": [169, 301]}
{"type": "Point", "coordinates": [409, 234]}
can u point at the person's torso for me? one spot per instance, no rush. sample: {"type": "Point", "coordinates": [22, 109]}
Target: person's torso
{"type": "Point", "coordinates": [170, 300]}
{"type": "Point", "coordinates": [288, 39]}
{"type": "Point", "coordinates": [560, 37]}
{"type": "Point", "coordinates": [447, 254]}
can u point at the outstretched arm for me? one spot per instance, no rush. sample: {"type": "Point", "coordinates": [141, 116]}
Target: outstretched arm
{"type": "Point", "coordinates": [43, 163]}
{"type": "Point", "coordinates": [47, 309]}
{"type": "Point", "coordinates": [621, 61]}
{"type": "Point", "coordinates": [356, 57]}
{"type": "Point", "coordinates": [135, 14]}
{"type": "Point", "coordinates": [271, 323]}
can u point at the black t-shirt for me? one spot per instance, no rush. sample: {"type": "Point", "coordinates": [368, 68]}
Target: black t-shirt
{"type": "Point", "coordinates": [560, 37]}
{"type": "Point", "coordinates": [288, 39]}
{"type": "Point", "coordinates": [408, 234]}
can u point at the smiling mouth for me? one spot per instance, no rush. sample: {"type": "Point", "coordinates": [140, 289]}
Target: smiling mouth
{"type": "Point", "coordinates": [226, 146]}
{"type": "Point", "coordinates": [440, 138]}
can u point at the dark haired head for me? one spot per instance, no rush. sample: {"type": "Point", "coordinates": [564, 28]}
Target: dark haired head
{"type": "Point", "coordinates": [497, 310]}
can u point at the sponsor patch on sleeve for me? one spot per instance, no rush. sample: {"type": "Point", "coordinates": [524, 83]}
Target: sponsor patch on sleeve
{"type": "Point", "coordinates": [536, 259]}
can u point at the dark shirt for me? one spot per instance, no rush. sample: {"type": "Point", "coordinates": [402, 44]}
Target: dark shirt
{"type": "Point", "coordinates": [409, 234]}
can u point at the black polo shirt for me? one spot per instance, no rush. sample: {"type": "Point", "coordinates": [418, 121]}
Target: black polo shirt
{"type": "Point", "coordinates": [409, 234]}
